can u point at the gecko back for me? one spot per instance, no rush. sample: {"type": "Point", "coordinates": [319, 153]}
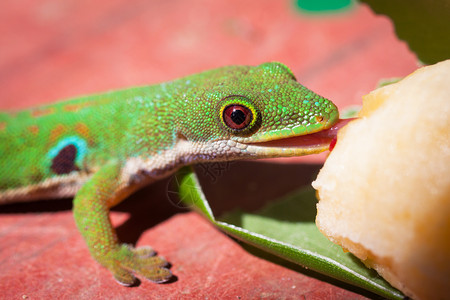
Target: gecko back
{"type": "Point", "coordinates": [50, 151]}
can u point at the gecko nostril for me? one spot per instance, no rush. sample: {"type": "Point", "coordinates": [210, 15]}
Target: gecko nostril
{"type": "Point", "coordinates": [319, 119]}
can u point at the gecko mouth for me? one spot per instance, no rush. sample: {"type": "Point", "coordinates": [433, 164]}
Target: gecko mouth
{"type": "Point", "coordinates": [312, 143]}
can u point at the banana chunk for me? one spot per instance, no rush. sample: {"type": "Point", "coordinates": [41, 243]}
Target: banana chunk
{"type": "Point", "coordinates": [385, 188]}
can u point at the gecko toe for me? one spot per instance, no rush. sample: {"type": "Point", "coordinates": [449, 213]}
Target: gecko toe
{"type": "Point", "coordinates": [140, 262]}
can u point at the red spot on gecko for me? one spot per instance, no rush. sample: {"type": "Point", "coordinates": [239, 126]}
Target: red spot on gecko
{"type": "Point", "coordinates": [82, 129]}
{"type": "Point", "coordinates": [39, 112]}
{"type": "Point", "coordinates": [2, 126]}
{"type": "Point", "coordinates": [57, 132]}
{"type": "Point", "coordinates": [75, 107]}
{"type": "Point", "coordinates": [34, 129]}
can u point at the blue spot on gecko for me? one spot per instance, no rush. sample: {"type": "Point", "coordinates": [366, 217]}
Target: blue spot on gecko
{"type": "Point", "coordinates": [67, 154]}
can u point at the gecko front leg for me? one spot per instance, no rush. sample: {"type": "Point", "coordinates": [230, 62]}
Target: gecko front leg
{"type": "Point", "coordinates": [91, 211]}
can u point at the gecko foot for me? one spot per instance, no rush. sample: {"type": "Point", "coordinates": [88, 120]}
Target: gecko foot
{"type": "Point", "coordinates": [140, 261]}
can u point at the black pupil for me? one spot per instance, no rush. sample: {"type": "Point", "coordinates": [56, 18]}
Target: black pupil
{"type": "Point", "coordinates": [238, 116]}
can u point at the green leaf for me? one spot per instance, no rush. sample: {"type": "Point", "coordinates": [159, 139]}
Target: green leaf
{"type": "Point", "coordinates": [287, 229]}
{"type": "Point", "coordinates": [423, 24]}
{"type": "Point", "coordinates": [323, 6]}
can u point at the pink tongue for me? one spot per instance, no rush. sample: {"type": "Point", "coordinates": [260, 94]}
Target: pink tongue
{"type": "Point", "coordinates": [332, 132]}
{"type": "Point", "coordinates": [324, 137]}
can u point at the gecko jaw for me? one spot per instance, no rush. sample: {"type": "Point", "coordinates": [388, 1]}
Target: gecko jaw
{"type": "Point", "coordinates": [299, 145]}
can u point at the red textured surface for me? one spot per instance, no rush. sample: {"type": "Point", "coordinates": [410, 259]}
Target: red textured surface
{"type": "Point", "coordinates": [54, 49]}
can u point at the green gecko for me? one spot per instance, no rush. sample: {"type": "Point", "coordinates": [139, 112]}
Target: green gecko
{"type": "Point", "coordinates": [102, 148]}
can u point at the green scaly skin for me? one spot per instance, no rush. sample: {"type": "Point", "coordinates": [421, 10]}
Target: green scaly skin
{"type": "Point", "coordinates": [102, 148]}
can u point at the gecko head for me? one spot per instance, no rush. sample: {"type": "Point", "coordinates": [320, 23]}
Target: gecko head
{"type": "Point", "coordinates": [256, 110]}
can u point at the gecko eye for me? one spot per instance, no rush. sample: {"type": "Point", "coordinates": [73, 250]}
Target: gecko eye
{"type": "Point", "coordinates": [237, 116]}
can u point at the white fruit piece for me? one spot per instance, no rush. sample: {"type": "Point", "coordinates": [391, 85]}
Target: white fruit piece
{"type": "Point", "coordinates": [385, 188]}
